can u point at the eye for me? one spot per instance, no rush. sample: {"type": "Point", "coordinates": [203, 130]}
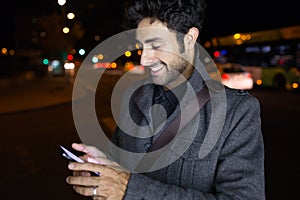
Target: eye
{"type": "Point", "coordinates": [156, 45]}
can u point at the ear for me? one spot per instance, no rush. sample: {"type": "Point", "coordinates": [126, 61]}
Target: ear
{"type": "Point", "coordinates": [190, 38]}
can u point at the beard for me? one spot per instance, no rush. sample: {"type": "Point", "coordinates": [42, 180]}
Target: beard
{"type": "Point", "coordinates": [171, 71]}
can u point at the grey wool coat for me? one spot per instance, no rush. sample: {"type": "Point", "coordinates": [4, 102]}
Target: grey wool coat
{"type": "Point", "coordinates": [232, 167]}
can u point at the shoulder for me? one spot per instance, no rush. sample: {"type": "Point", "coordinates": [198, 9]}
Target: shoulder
{"type": "Point", "coordinates": [242, 109]}
{"type": "Point", "coordinates": [237, 98]}
{"type": "Point", "coordinates": [232, 98]}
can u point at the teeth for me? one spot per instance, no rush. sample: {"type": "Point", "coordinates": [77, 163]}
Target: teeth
{"type": "Point", "coordinates": [156, 68]}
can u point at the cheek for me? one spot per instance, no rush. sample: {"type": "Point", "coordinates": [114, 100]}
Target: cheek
{"type": "Point", "coordinates": [165, 57]}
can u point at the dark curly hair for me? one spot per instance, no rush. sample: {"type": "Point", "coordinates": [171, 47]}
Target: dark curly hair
{"type": "Point", "coordinates": [179, 15]}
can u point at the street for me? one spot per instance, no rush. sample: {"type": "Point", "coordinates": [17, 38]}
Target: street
{"type": "Point", "coordinates": [280, 124]}
{"type": "Point", "coordinates": [32, 166]}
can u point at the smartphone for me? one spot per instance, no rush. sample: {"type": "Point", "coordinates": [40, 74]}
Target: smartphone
{"type": "Point", "coordinates": [72, 157]}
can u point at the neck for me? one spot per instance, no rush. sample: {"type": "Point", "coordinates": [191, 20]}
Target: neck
{"type": "Point", "coordinates": [185, 75]}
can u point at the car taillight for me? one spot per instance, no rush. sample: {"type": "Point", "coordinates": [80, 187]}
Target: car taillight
{"type": "Point", "coordinates": [249, 75]}
{"type": "Point", "coordinates": [225, 76]}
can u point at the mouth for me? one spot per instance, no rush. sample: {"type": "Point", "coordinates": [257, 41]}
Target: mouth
{"type": "Point", "coordinates": [156, 69]}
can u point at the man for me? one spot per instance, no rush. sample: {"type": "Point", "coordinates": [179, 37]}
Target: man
{"type": "Point", "coordinates": [233, 168]}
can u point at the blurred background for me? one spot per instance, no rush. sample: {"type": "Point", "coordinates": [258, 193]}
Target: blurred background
{"type": "Point", "coordinates": [255, 44]}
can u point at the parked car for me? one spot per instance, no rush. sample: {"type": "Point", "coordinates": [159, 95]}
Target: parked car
{"type": "Point", "coordinates": [235, 77]}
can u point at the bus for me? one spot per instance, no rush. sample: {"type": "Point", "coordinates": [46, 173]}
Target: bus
{"type": "Point", "coordinates": [272, 56]}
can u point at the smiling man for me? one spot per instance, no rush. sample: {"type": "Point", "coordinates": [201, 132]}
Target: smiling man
{"type": "Point", "coordinates": [232, 166]}
{"type": "Point", "coordinates": [161, 52]}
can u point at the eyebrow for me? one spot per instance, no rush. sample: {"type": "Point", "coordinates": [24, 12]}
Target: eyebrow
{"type": "Point", "coordinates": [153, 40]}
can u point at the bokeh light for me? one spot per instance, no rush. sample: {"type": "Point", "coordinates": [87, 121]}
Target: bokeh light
{"type": "Point", "coordinates": [61, 2]}
{"type": "Point", "coordinates": [70, 15]}
{"type": "Point", "coordinates": [66, 30]}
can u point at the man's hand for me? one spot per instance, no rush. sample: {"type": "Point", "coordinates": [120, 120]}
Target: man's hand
{"type": "Point", "coordinates": [113, 179]}
{"type": "Point", "coordinates": [92, 153]}
{"type": "Point", "coordinates": [111, 184]}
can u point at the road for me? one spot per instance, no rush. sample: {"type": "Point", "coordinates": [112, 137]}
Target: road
{"type": "Point", "coordinates": [280, 124]}
{"type": "Point", "coordinates": [33, 168]}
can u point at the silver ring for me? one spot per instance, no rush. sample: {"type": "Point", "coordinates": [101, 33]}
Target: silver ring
{"type": "Point", "coordinates": [94, 191]}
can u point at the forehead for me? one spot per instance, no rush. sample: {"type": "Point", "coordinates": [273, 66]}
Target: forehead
{"type": "Point", "coordinates": [147, 30]}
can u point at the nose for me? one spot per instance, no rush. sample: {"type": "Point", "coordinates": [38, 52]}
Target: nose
{"type": "Point", "coordinates": [147, 57]}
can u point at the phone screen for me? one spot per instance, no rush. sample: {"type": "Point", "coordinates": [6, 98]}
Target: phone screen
{"type": "Point", "coordinates": [69, 155]}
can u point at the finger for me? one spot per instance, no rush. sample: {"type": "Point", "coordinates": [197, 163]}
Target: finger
{"type": "Point", "coordinates": [86, 191]}
{"type": "Point", "coordinates": [101, 169]}
{"type": "Point", "coordinates": [81, 173]}
{"type": "Point", "coordinates": [94, 151]}
{"type": "Point", "coordinates": [84, 148]}
{"type": "Point", "coordinates": [107, 162]}
{"type": "Point", "coordinates": [87, 167]}
{"type": "Point", "coordinates": [102, 160]}
{"type": "Point", "coordinates": [99, 198]}
{"type": "Point", "coordinates": [83, 181]}
{"type": "Point", "coordinates": [90, 150]}
{"type": "Point", "coordinates": [94, 160]}
{"type": "Point", "coordinates": [79, 147]}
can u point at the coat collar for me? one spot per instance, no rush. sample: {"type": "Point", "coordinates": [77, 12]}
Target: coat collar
{"type": "Point", "coordinates": [195, 83]}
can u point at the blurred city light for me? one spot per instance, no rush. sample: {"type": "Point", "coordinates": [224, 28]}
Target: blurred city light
{"type": "Point", "coordinates": [43, 34]}
{"type": "Point", "coordinates": [55, 63]}
{"type": "Point", "coordinates": [70, 15]}
{"type": "Point", "coordinates": [66, 30]}
{"type": "Point", "coordinates": [95, 59]}
{"type": "Point", "coordinates": [237, 36]}
{"type": "Point", "coordinates": [69, 65]}
{"type": "Point", "coordinates": [223, 52]}
{"type": "Point", "coordinates": [70, 57]}
{"type": "Point", "coordinates": [100, 56]}
{"type": "Point", "coordinates": [238, 42]}
{"type": "Point", "coordinates": [129, 66]}
{"type": "Point", "coordinates": [61, 2]}
{"type": "Point", "coordinates": [81, 52]}
{"type": "Point", "coordinates": [97, 37]}
{"type": "Point", "coordinates": [139, 52]}
{"type": "Point", "coordinates": [54, 66]}
{"type": "Point", "coordinates": [241, 38]}
{"type": "Point", "coordinates": [259, 82]}
{"type": "Point", "coordinates": [295, 85]}
{"type": "Point", "coordinates": [73, 51]}
{"type": "Point", "coordinates": [11, 52]}
{"type": "Point", "coordinates": [113, 65]}
{"type": "Point", "coordinates": [217, 54]}
{"type": "Point", "coordinates": [127, 53]}
{"type": "Point", "coordinates": [137, 46]}
{"type": "Point", "coordinates": [45, 61]}
{"type": "Point", "coordinates": [4, 51]}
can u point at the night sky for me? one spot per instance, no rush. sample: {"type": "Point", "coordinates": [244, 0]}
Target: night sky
{"type": "Point", "coordinates": [223, 17]}
{"type": "Point", "coordinates": [228, 17]}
